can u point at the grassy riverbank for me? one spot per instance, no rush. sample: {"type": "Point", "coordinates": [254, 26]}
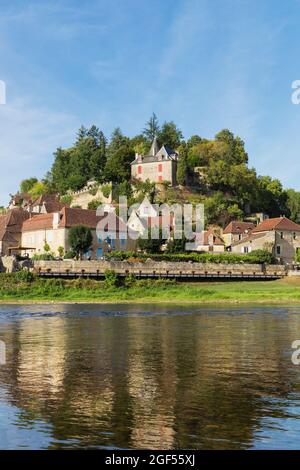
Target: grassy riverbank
{"type": "Point", "coordinates": [14, 289]}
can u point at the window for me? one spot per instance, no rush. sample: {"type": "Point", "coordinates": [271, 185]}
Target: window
{"type": "Point", "coordinates": [160, 167]}
{"type": "Point", "coordinates": [99, 252]}
{"type": "Point", "coordinates": [281, 235]}
{"type": "Point", "coordinates": [278, 250]}
{"type": "Point", "coordinates": [245, 249]}
{"type": "Point", "coordinates": [160, 178]}
{"type": "Point", "coordinates": [139, 169]}
{"type": "Point", "coordinates": [99, 240]}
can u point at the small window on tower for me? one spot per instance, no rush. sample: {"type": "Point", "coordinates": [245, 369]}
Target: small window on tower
{"type": "Point", "coordinates": [139, 170]}
{"type": "Point", "coordinates": [160, 179]}
{"type": "Point", "coordinates": [160, 167]}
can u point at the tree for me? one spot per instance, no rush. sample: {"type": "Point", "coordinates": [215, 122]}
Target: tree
{"type": "Point", "coordinates": [149, 244]}
{"type": "Point", "coordinates": [117, 167]}
{"type": "Point", "coordinates": [38, 189]}
{"type": "Point", "coordinates": [27, 184]}
{"type": "Point", "coordinates": [182, 165]}
{"type": "Point", "coordinates": [176, 245]}
{"type": "Point", "coordinates": [117, 140]}
{"type": "Point", "coordinates": [293, 204]}
{"type": "Point", "coordinates": [73, 167]}
{"type": "Point", "coordinates": [80, 239]}
{"type": "Point", "coordinates": [152, 128]}
{"type": "Point", "coordinates": [235, 153]}
{"type": "Point", "coordinates": [170, 135]}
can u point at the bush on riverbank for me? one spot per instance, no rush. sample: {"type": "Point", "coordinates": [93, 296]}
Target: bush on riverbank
{"type": "Point", "coordinates": [255, 257]}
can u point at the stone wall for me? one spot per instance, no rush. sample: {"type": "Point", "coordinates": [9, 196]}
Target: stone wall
{"type": "Point", "coordinates": [162, 268]}
{"type": "Point", "coordinates": [83, 197]}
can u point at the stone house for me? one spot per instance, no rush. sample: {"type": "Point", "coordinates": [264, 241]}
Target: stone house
{"type": "Point", "coordinates": [53, 229]}
{"type": "Point", "coordinates": [236, 231]}
{"type": "Point", "coordinates": [46, 204]}
{"type": "Point", "coordinates": [11, 229]}
{"type": "Point", "coordinates": [159, 166]}
{"type": "Point", "coordinates": [279, 235]}
{"type": "Point", "coordinates": [19, 200]}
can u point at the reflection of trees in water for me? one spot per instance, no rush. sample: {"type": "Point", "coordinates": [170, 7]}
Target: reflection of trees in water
{"type": "Point", "coordinates": [159, 382]}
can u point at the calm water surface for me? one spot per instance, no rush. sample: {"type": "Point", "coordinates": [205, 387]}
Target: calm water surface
{"type": "Point", "coordinates": [80, 376]}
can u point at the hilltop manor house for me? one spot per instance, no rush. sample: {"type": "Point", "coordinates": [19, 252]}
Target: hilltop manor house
{"type": "Point", "coordinates": [157, 167]}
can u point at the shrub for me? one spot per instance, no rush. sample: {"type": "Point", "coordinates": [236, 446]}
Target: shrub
{"type": "Point", "coordinates": [256, 257]}
{"type": "Point", "coordinates": [93, 205]}
{"type": "Point", "coordinates": [66, 199]}
{"type": "Point", "coordinates": [24, 276]}
{"type": "Point", "coordinates": [93, 191]}
{"type": "Point", "coordinates": [47, 247]}
{"type": "Point", "coordinates": [130, 280]}
{"type": "Point", "coordinates": [69, 254]}
{"type": "Point", "coordinates": [262, 256]}
{"type": "Point", "coordinates": [106, 189]}
{"type": "Point", "coordinates": [61, 251]}
{"type": "Point", "coordinates": [43, 257]}
{"type": "Point", "coordinates": [111, 278]}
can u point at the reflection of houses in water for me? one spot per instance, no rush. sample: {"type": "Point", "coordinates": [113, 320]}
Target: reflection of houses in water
{"type": "Point", "coordinates": [188, 381]}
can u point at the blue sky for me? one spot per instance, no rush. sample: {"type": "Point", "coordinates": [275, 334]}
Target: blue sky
{"type": "Point", "coordinates": [206, 64]}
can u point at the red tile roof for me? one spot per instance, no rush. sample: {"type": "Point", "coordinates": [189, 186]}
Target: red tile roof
{"type": "Point", "coordinates": [11, 223]}
{"type": "Point", "coordinates": [38, 222]}
{"type": "Point", "coordinates": [50, 201]}
{"type": "Point", "coordinates": [278, 223]}
{"type": "Point", "coordinates": [250, 238]}
{"type": "Point", "coordinates": [238, 227]}
{"type": "Point", "coordinates": [70, 217]}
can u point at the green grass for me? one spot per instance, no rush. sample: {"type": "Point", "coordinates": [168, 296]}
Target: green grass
{"type": "Point", "coordinates": [84, 290]}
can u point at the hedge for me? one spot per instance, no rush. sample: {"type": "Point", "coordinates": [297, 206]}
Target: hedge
{"type": "Point", "coordinates": [255, 257]}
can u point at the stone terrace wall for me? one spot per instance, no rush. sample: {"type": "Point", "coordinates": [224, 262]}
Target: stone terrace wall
{"type": "Point", "coordinates": [151, 267]}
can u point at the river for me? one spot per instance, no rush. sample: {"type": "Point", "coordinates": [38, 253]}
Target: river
{"type": "Point", "coordinates": [118, 376]}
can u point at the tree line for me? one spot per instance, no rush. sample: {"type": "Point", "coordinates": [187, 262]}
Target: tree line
{"type": "Point", "coordinates": [230, 188]}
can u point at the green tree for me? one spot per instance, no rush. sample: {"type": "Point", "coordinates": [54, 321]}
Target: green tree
{"type": "Point", "coordinates": [80, 239]}
{"type": "Point", "coordinates": [27, 184]}
{"type": "Point", "coordinates": [117, 167]}
{"type": "Point", "coordinates": [176, 245]}
{"type": "Point", "coordinates": [152, 128]}
{"type": "Point", "coordinates": [170, 135]}
{"type": "Point", "coordinates": [38, 189]}
{"type": "Point", "coordinates": [293, 204]}
{"type": "Point", "coordinates": [182, 165]}
{"type": "Point", "coordinates": [149, 244]}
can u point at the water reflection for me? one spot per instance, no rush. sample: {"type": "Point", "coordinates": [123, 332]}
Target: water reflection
{"type": "Point", "coordinates": [85, 377]}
